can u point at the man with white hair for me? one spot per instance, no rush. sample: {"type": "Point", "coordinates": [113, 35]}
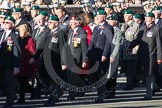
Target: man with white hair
{"type": "Point", "coordinates": [40, 34]}
{"type": "Point", "coordinates": [77, 46]}
{"type": "Point", "coordinates": [158, 20]}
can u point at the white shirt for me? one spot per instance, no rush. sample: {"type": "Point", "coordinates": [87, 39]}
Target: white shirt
{"type": "Point", "coordinates": [7, 34]}
{"type": "Point", "coordinates": [75, 30]}
{"type": "Point", "coordinates": [17, 22]}
{"type": "Point", "coordinates": [156, 20]}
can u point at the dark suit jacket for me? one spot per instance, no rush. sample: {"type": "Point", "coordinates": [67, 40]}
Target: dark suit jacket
{"type": "Point", "coordinates": [101, 42]}
{"type": "Point", "coordinates": [40, 40]}
{"type": "Point", "coordinates": [23, 21]}
{"type": "Point", "coordinates": [159, 23]}
{"type": "Point", "coordinates": [78, 52]}
{"type": "Point", "coordinates": [32, 24]}
{"type": "Point", "coordinates": [10, 58]}
{"type": "Point", "coordinates": [150, 47]}
{"type": "Point", "coordinates": [54, 43]}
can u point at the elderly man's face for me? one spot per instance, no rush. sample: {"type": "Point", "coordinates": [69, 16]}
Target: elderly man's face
{"type": "Point", "coordinates": [157, 14]}
{"type": "Point", "coordinates": [112, 22]}
{"type": "Point", "coordinates": [108, 10]}
{"type": "Point", "coordinates": [8, 25]}
{"type": "Point", "coordinates": [149, 20]}
{"type": "Point", "coordinates": [127, 17]}
{"type": "Point", "coordinates": [59, 13]}
{"type": "Point", "coordinates": [40, 20]}
{"type": "Point", "coordinates": [16, 15]}
{"type": "Point", "coordinates": [101, 18]}
{"type": "Point", "coordinates": [52, 24]}
{"type": "Point", "coordinates": [74, 24]}
{"type": "Point", "coordinates": [137, 20]}
{"type": "Point", "coordinates": [34, 13]}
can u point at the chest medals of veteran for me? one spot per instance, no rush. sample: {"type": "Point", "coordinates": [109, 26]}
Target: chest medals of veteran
{"type": "Point", "coordinates": [75, 40]}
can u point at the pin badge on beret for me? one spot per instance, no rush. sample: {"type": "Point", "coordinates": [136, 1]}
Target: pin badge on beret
{"type": "Point", "coordinates": [128, 11]}
{"type": "Point", "coordinates": [149, 14]}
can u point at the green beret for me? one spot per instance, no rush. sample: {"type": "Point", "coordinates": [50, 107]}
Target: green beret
{"type": "Point", "coordinates": [3, 13]}
{"type": "Point", "coordinates": [101, 12]}
{"type": "Point", "coordinates": [109, 6]}
{"type": "Point", "coordinates": [53, 18]}
{"type": "Point", "coordinates": [149, 14]}
{"type": "Point", "coordinates": [44, 13]}
{"type": "Point", "coordinates": [160, 9]}
{"type": "Point", "coordinates": [35, 7]}
{"type": "Point", "coordinates": [128, 11]}
{"type": "Point", "coordinates": [138, 16]}
{"type": "Point", "coordinates": [17, 10]}
{"type": "Point", "coordinates": [112, 17]}
{"type": "Point", "coordinates": [10, 18]}
{"type": "Point", "coordinates": [156, 8]}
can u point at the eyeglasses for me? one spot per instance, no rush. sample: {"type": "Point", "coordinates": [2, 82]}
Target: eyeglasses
{"type": "Point", "coordinates": [6, 22]}
{"type": "Point", "coordinates": [50, 22]}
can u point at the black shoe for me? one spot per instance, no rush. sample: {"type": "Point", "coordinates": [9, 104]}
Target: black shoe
{"type": "Point", "coordinates": [156, 90]}
{"type": "Point", "coordinates": [35, 96]}
{"type": "Point", "coordinates": [128, 87]}
{"type": "Point", "coordinates": [98, 100]}
{"type": "Point", "coordinates": [7, 106]}
{"type": "Point", "coordinates": [21, 101]}
{"type": "Point", "coordinates": [147, 97]}
{"type": "Point", "coordinates": [70, 98]}
{"type": "Point", "coordinates": [80, 94]}
{"type": "Point", "coordinates": [50, 102]}
{"type": "Point", "coordinates": [110, 96]}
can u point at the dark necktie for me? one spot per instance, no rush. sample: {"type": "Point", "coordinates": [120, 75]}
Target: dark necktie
{"type": "Point", "coordinates": [37, 33]}
{"type": "Point", "coordinates": [127, 26]}
{"type": "Point", "coordinates": [3, 37]}
{"type": "Point", "coordinates": [70, 38]}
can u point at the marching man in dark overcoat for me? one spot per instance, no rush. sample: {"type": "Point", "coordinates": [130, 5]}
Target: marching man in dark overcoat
{"type": "Point", "coordinates": [151, 51]}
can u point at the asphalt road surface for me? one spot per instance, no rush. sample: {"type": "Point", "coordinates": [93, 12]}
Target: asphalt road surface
{"type": "Point", "coordinates": [123, 99]}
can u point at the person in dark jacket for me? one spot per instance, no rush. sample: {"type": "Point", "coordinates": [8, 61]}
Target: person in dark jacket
{"type": "Point", "coordinates": [19, 20]}
{"type": "Point", "coordinates": [74, 55]}
{"type": "Point", "coordinates": [34, 11]}
{"type": "Point", "coordinates": [10, 55]}
{"type": "Point", "coordinates": [151, 51]}
{"type": "Point", "coordinates": [40, 34]}
{"type": "Point", "coordinates": [54, 43]}
{"type": "Point", "coordinates": [99, 50]}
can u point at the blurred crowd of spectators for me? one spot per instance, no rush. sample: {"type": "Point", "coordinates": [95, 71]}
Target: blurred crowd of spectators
{"type": "Point", "coordinates": [78, 2]}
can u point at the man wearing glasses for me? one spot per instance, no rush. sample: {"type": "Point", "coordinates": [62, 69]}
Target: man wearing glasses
{"type": "Point", "coordinates": [9, 60]}
{"type": "Point", "coordinates": [55, 43]}
{"type": "Point", "coordinates": [2, 17]}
